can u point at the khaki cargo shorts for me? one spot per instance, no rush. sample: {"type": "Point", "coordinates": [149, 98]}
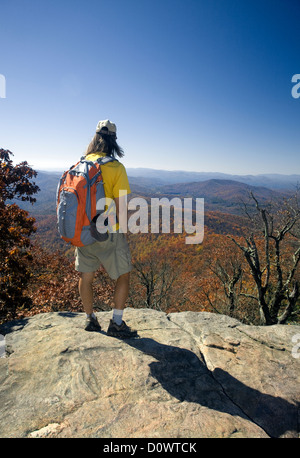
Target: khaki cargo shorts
{"type": "Point", "coordinates": [113, 255]}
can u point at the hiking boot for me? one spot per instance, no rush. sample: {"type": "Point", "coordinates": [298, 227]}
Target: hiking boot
{"type": "Point", "coordinates": [123, 331]}
{"type": "Point", "coordinates": [91, 324]}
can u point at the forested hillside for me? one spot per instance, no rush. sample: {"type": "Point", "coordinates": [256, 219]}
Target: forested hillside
{"type": "Point", "coordinates": [217, 275]}
{"type": "Point", "coordinates": [224, 202]}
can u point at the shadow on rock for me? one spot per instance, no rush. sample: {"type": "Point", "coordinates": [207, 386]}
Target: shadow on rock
{"type": "Point", "coordinates": [11, 326]}
{"type": "Point", "coordinates": [184, 376]}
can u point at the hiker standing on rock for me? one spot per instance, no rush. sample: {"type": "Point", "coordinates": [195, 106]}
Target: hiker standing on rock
{"type": "Point", "coordinates": [113, 254]}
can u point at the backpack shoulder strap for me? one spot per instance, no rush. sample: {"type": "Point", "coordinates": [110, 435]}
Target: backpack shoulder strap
{"type": "Point", "coordinates": [106, 159]}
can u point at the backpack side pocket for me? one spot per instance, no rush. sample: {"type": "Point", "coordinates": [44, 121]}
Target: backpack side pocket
{"type": "Point", "coordinates": [67, 212]}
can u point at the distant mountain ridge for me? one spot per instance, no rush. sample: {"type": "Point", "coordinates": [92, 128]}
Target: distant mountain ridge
{"type": "Point", "coordinates": [222, 189]}
{"type": "Point", "coordinates": [227, 196]}
{"type": "Point", "coordinates": [223, 202]}
{"type": "Point", "coordinates": [153, 178]}
{"type": "Point", "coordinates": [219, 193]}
{"type": "Point", "coordinates": [163, 177]}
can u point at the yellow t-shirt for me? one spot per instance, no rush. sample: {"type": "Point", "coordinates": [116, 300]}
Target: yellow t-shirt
{"type": "Point", "coordinates": [115, 181]}
{"type": "Point", "coordinates": [114, 177]}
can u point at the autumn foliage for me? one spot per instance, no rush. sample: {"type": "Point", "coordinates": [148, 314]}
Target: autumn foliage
{"type": "Point", "coordinates": [247, 266]}
{"type": "Point", "coordinates": [54, 284]}
{"type": "Point", "coordinates": [16, 227]}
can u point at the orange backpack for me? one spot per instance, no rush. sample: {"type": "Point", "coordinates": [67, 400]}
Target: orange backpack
{"type": "Point", "coordinates": [78, 192]}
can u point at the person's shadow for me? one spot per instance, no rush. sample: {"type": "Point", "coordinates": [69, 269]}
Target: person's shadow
{"type": "Point", "coordinates": [184, 376]}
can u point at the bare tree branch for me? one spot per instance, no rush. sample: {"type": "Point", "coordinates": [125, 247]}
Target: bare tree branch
{"type": "Point", "coordinates": [272, 226]}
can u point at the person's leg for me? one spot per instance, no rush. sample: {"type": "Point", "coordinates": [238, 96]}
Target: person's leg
{"type": "Point", "coordinates": [86, 291]}
{"type": "Point", "coordinates": [120, 297]}
{"type": "Point", "coordinates": [117, 327]}
{"type": "Point", "coordinates": [86, 294]}
{"type": "Point", "coordinates": [121, 291]}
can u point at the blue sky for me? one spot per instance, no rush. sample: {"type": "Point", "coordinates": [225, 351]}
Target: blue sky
{"type": "Point", "coordinates": [199, 85]}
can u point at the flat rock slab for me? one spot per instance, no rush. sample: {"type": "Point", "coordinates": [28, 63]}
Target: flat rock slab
{"type": "Point", "coordinates": [188, 375]}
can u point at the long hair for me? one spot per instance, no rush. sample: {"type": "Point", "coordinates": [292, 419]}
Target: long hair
{"type": "Point", "coordinates": [104, 143]}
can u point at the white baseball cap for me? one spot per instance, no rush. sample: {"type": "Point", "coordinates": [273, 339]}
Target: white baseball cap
{"type": "Point", "coordinates": [106, 127]}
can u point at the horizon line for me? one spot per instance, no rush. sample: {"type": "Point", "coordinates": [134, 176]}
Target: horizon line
{"type": "Point", "coordinates": [260, 174]}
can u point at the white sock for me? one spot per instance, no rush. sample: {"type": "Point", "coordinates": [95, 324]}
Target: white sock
{"type": "Point", "coordinates": [117, 316]}
{"type": "Point", "coordinates": [90, 315]}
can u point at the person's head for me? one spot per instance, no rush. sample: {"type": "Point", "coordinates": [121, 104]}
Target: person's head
{"type": "Point", "coordinates": [105, 140]}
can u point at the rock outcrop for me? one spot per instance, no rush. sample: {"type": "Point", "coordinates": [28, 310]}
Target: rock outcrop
{"type": "Point", "coordinates": [188, 375]}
